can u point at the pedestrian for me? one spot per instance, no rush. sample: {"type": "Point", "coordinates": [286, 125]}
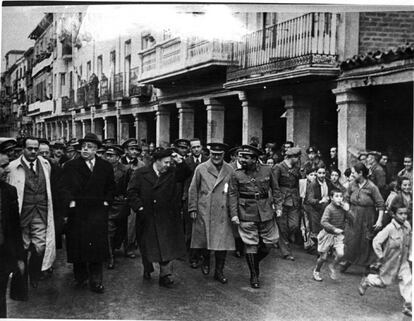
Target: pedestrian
{"type": "Point", "coordinates": [31, 175]}
{"type": "Point", "coordinates": [317, 199]}
{"type": "Point", "coordinates": [331, 236]}
{"type": "Point", "coordinates": [119, 209]}
{"type": "Point", "coordinates": [407, 171]}
{"type": "Point", "coordinates": [287, 200]}
{"type": "Point", "coordinates": [348, 178]}
{"type": "Point", "coordinates": [59, 156]}
{"type": "Point", "coordinates": [183, 146]}
{"type": "Point", "coordinates": [195, 159]}
{"type": "Point", "coordinates": [208, 207]}
{"type": "Point", "coordinates": [131, 159]}
{"type": "Point", "coordinates": [392, 246]}
{"type": "Point", "coordinates": [251, 198]}
{"type": "Point", "coordinates": [152, 195]}
{"type": "Point", "coordinates": [385, 166]}
{"type": "Point", "coordinates": [8, 145]}
{"type": "Point", "coordinates": [335, 175]}
{"type": "Point", "coordinates": [364, 199]}
{"type": "Point", "coordinates": [332, 163]}
{"type": "Point", "coordinates": [376, 173]}
{"type": "Point", "coordinates": [362, 157]}
{"type": "Point", "coordinates": [405, 196]}
{"type": "Point", "coordinates": [304, 183]}
{"type": "Point", "coordinates": [313, 161]}
{"type": "Point", "coordinates": [88, 191]}
{"type": "Point", "coordinates": [12, 254]}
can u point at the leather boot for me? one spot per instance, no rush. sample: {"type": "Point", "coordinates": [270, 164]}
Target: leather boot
{"type": "Point", "coordinates": [205, 266]}
{"type": "Point", "coordinates": [220, 260]}
{"type": "Point", "coordinates": [35, 268]}
{"type": "Point", "coordinates": [251, 262]}
{"type": "Point", "coordinates": [263, 251]}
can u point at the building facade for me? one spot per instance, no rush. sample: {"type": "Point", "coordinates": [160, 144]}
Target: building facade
{"type": "Point", "coordinates": [323, 78]}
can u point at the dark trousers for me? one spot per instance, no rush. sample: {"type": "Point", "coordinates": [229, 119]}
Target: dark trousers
{"type": "Point", "coordinates": [4, 277]}
{"type": "Point", "coordinates": [88, 270]}
{"type": "Point", "coordinates": [288, 226]}
{"type": "Point", "coordinates": [148, 266]}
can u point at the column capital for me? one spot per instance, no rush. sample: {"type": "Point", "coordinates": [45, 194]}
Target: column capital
{"type": "Point", "coordinates": [184, 106]}
{"type": "Point", "coordinates": [242, 96]}
{"type": "Point", "coordinates": [161, 110]}
{"type": "Point", "coordinates": [297, 101]}
{"type": "Point", "coordinates": [212, 102]}
{"type": "Point", "coordinates": [348, 95]}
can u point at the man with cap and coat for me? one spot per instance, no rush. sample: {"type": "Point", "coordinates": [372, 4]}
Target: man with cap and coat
{"type": "Point", "coordinates": [152, 194]}
{"type": "Point", "coordinates": [12, 254]}
{"type": "Point", "coordinates": [287, 199]}
{"type": "Point", "coordinates": [88, 190]}
{"type": "Point", "coordinates": [119, 209]}
{"type": "Point", "coordinates": [31, 175]}
{"type": "Point", "coordinates": [8, 145]}
{"type": "Point", "coordinates": [208, 207]}
{"type": "Point", "coordinates": [131, 159]}
{"type": "Point", "coordinates": [251, 198]}
{"type": "Point", "coordinates": [195, 159]}
{"type": "Point", "coordinates": [59, 153]}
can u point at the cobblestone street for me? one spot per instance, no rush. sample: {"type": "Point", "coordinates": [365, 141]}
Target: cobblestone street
{"type": "Point", "coordinates": [288, 292]}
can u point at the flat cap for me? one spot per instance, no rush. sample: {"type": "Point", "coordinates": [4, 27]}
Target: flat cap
{"type": "Point", "coordinates": [234, 150]}
{"type": "Point", "coordinates": [7, 144]}
{"type": "Point", "coordinates": [184, 143]}
{"type": "Point", "coordinates": [109, 141]}
{"type": "Point", "coordinates": [249, 150]}
{"type": "Point", "coordinates": [114, 150]}
{"type": "Point", "coordinates": [293, 151]}
{"type": "Point", "coordinates": [218, 147]}
{"type": "Point", "coordinates": [132, 142]}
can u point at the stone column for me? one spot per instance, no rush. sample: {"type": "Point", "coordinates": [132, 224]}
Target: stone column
{"type": "Point", "coordinates": [92, 118]}
{"type": "Point", "coordinates": [252, 120]}
{"type": "Point", "coordinates": [118, 127]}
{"type": "Point", "coordinates": [78, 130]}
{"type": "Point", "coordinates": [163, 125]}
{"type": "Point", "coordinates": [98, 127]}
{"type": "Point", "coordinates": [215, 120]}
{"type": "Point", "coordinates": [73, 125]}
{"type": "Point", "coordinates": [110, 131]}
{"type": "Point", "coordinates": [298, 112]}
{"type": "Point", "coordinates": [352, 125]}
{"type": "Point", "coordinates": [124, 130]}
{"type": "Point", "coordinates": [105, 127]}
{"type": "Point", "coordinates": [88, 125]}
{"type": "Point", "coordinates": [62, 129]}
{"type": "Point", "coordinates": [68, 126]}
{"type": "Point", "coordinates": [141, 127]}
{"type": "Point", "coordinates": [186, 120]}
{"type": "Point", "coordinates": [57, 130]}
{"type": "Point", "coordinates": [83, 128]}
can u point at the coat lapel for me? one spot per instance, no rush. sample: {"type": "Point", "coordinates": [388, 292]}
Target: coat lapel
{"type": "Point", "coordinates": [212, 169]}
{"type": "Point", "coordinates": [150, 176]}
{"type": "Point", "coordinates": [222, 175]}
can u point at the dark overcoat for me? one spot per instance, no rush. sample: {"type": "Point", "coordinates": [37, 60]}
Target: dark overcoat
{"type": "Point", "coordinates": [162, 238]}
{"type": "Point", "coordinates": [87, 226]}
{"type": "Point", "coordinates": [10, 221]}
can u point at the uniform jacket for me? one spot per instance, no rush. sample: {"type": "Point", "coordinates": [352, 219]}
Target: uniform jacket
{"type": "Point", "coordinates": [208, 196]}
{"type": "Point", "coordinates": [87, 226]}
{"type": "Point", "coordinates": [162, 238]}
{"type": "Point", "coordinates": [379, 178]}
{"type": "Point", "coordinates": [260, 182]}
{"type": "Point", "coordinates": [286, 185]}
{"type": "Point", "coordinates": [134, 165]}
{"type": "Point", "coordinates": [10, 222]}
{"type": "Point", "coordinates": [192, 165]}
{"type": "Point", "coordinates": [391, 245]}
{"type": "Point", "coordinates": [119, 208]}
{"type": "Point", "coordinates": [17, 179]}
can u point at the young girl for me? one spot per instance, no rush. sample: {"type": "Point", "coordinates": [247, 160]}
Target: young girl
{"type": "Point", "coordinates": [392, 246]}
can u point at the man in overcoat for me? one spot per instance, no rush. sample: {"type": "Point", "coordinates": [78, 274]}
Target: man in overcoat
{"type": "Point", "coordinates": [208, 207]}
{"type": "Point", "coordinates": [195, 159]}
{"type": "Point", "coordinates": [31, 175]}
{"type": "Point", "coordinates": [88, 187]}
{"type": "Point", "coordinates": [12, 253]}
{"type": "Point", "coordinates": [152, 195]}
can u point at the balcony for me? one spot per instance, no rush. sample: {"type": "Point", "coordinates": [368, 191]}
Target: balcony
{"type": "Point", "coordinates": [177, 56]}
{"type": "Point", "coordinates": [119, 85]}
{"type": "Point", "coordinates": [306, 41]}
{"type": "Point", "coordinates": [40, 107]}
{"type": "Point", "coordinates": [104, 90]}
{"type": "Point", "coordinates": [66, 51]}
{"type": "Point", "coordinates": [41, 65]}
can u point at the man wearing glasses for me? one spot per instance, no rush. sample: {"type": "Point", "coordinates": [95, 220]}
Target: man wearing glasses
{"type": "Point", "coordinates": [30, 174]}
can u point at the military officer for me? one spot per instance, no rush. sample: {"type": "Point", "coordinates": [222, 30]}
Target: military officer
{"type": "Point", "coordinates": [287, 200]}
{"type": "Point", "coordinates": [183, 146]}
{"type": "Point", "coordinates": [251, 200]}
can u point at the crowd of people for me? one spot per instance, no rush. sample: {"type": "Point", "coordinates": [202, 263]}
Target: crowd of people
{"type": "Point", "coordinates": [185, 200]}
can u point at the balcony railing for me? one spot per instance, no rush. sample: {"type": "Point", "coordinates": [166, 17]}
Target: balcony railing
{"type": "Point", "coordinates": [305, 40]}
{"type": "Point", "coordinates": [81, 97]}
{"type": "Point", "coordinates": [104, 90]}
{"type": "Point", "coordinates": [41, 106]}
{"type": "Point", "coordinates": [119, 85]}
{"type": "Point", "coordinates": [177, 55]}
{"type": "Point", "coordinates": [42, 64]}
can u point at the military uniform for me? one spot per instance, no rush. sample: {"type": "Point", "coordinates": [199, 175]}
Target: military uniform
{"type": "Point", "coordinates": [251, 200]}
{"type": "Point", "coordinates": [287, 200]}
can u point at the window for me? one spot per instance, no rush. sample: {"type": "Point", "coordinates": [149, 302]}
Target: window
{"type": "Point", "coordinates": [147, 41]}
{"type": "Point", "coordinates": [62, 84]}
{"type": "Point", "coordinates": [113, 61]}
{"type": "Point", "coordinates": [99, 66]}
{"type": "Point", "coordinates": [166, 34]}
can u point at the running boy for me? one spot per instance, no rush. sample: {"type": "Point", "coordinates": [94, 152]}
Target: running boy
{"type": "Point", "coordinates": [392, 246]}
{"type": "Point", "coordinates": [332, 233]}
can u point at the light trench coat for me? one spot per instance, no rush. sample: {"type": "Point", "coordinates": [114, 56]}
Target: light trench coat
{"type": "Point", "coordinates": [17, 179]}
{"type": "Point", "coordinates": [208, 196]}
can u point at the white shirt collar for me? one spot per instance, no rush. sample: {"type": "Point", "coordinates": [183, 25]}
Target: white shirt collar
{"type": "Point", "coordinates": [195, 158]}
{"type": "Point", "coordinates": [93, 161]}
{"type": "Point", "coordinates": [154, 167]}
{"type": "Point", "coordinates": [28, 163]}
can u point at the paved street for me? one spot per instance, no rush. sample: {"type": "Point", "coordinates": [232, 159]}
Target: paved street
{"type": "Point", "coordinates": [288, 293]}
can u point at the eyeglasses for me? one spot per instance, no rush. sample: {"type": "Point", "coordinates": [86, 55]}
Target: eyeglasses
{"type": "Point", "coordinates": [33, 148]}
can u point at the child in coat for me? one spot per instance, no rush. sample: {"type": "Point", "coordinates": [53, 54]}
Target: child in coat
{"type": "Point", "coordinates": [392, 245]}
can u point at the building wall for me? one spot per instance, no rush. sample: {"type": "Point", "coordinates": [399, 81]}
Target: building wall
{"type": "Point", "coordinates": [385, 30]}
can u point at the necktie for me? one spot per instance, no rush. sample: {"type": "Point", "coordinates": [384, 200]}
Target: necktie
{"type": "Point", "coordinates": [197, 161]}
{"type": "Point", "coordinates": [32, 167]}
{"type": "Point", "coordinates": [90, 164]}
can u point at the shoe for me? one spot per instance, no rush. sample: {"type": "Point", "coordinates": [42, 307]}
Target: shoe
{"type": "Point", "coordinates": [146, 275]}
{"type": "Point", "coordinates": [131, 255]}
{"type": "Point", "coordinates": [111, 264]}
{"type": "Point", "coordinates": [407, 311]}
{"type": "Point", "coordinates": [343, 267]}
{"type": "Point", "coordinates": [166, 281]}
{"type": "Point", "coordinates": [289, 257]}
{"type": "Point", "coordinates": [97, 288]}
{"type": "Point", "coordinates": [205, 269]}
{"type": "Point", "coordinates": [205, 264]}
{"type": "Point", "coordinates": [332, 272]}
{"type": "Point", "coordinates": [193, 265]}
{"type": "Point", "coordinates": [362, 287]}
{"type": "Point", "coordinates": [219, 276]}
{"type": "Point", "coordinates": [317, 276]}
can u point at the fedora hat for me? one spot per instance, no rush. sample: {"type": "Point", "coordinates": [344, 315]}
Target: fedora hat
{"type": "Point", "coordinates": [92, 138]}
